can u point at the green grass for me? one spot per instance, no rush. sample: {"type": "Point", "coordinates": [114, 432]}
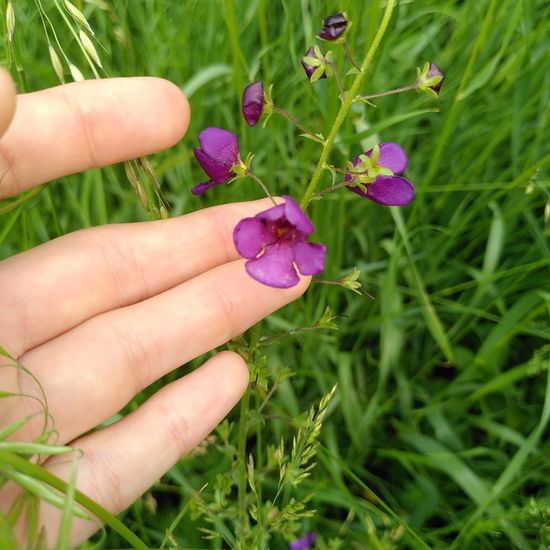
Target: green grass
{"type": "Point", "coordinates": [438, 433]}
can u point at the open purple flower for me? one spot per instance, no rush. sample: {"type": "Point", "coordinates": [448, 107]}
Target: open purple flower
{"type": "Point", "coordinates": [303, 543]}
{"type": "Point", "coordinates": [314, 64]}
{"type": "Point", "coordinates": [274, 242]}
{"type": "Point", "coordinates": [218, 156]}
{"type": "Point", "coordinates": [378, 178]}
{"type": "Point", "coordinates": [334, 26]}
{"type": "Point", "coordinates": [253, 102]}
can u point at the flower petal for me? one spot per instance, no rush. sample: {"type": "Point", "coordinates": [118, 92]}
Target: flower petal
{"type": "Point", "coordinates": [310, 257]}
{"type": "Point", "coordinates": [388, 190]}
{"type": "Point", "coordinates": [274, 268]}
{"type": "Point", "coordinates": [202, 187]}
{"type": "Point", "coordinates": [220, 145]}
{"type": "Point", "coordinates": [392, 156]}
{"type": "Point", "coordinates": [250, 236]}
{"type": "Point", "coordinates": [272, 214]}
{"type": "Point", "coordinates": [217, 172]}
{"type": "Point", "coordinates": [295, 215]}
{"type": "Point", "coordinates": [253, 102]}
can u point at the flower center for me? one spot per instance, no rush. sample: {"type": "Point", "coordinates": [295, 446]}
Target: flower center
{"type": "Point", "coordinates": [283, 231]}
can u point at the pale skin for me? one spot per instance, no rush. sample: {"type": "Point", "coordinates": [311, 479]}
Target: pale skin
{"type": "Point", "coordinates": [102, 313]}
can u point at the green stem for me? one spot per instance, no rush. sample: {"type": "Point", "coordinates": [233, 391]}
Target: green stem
{"type": "Point", "coordinates": [389, 92]}
{"type": "Point", "coordinates": [26, 467]}
{"type": "Point", "coordinates": [243, 431]}
{"type": "Point", "coordinates": [345, 107]}
{"type": "Point", "coordinates": [349, 55]}
{"type": "Point", "coordinates": [331, 188]}
{"type": "Point", "coordinates": [298, 124]}
{"type": "Point", "coordinates": [338, 80]}
{"type": "Point", "coordinates": [262, 185]}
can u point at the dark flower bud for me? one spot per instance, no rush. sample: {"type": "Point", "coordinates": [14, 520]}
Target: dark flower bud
{"type": "Point", "coordinates": [430, 79]}
{"type": "Point", "coordinates": [314, 64]}
{"type": "Point", "coordinates": [334, 26]}
{"type": "Point", "coordinates": [253, 102]}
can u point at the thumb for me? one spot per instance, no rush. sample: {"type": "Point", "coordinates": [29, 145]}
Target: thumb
{"type": "Point", "coordinates": [7, 100]}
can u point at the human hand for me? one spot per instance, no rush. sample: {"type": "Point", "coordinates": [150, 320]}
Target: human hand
{"type": "Point", "coordinates": [100, 314]}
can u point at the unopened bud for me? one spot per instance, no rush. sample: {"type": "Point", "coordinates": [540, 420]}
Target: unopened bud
{"type": "Point", "coordinates": [56, 63]}
{"type": "Point", "coordinates": [75, 73]}
{"type": "Point", "coordinates": [88, 45]}
{"type": "Point", "coordinates": [78, 16]}
{"type": "Point", "coordinates": [10, 20]}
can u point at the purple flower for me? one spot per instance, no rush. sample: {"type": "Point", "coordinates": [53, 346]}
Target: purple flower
{"type": "Point", "coordinates": [253, 102]}
{"type": "Point", "coordinates": [379, 180]}
{"type": "Point", "coordinates": [303, 543]}
{"type": "Point", "coordinates": [334, 26]}
{"type": "Point", "coordinates": [274, 242]}
{"type": "Point", "coordinates": [218, 155]}
{"type": "Point", "coordinates": [314, 64]}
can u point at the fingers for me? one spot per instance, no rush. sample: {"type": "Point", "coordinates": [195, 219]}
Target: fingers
{"type": "Point", "coordinates": [7, 101]}
{"type": "Point", "coordinates": [103, 268]}
{"type": "Point", "coordinates": [97, 367]}
{"type": "Point", "coordinates": [89, 124]}
{"type": "Point", "coordinates": [121, 462]}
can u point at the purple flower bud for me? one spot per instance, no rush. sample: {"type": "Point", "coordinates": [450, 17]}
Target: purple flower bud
{"type": "Point", "coordinates": [303, 543]}
{"type": "Point", "coordinates": [253, 102]}
{"type": "Point", "coordinates": [218, 153]}
{"type": "Point", "coordinates": [274, 243]}
{"type": "Point", "coordinates": [334, 26]}
{"type": "Point", "coordinates": [311, 68]}
{"type": "Point", "coordinates": [435, 71]}
{"type": "Point", "coordinates": [382, 183]}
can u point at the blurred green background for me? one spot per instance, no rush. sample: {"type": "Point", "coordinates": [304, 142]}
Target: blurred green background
{"type": "Point", "coordinates": [443, 396]}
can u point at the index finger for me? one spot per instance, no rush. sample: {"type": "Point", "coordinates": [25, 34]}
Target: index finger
{"type": "Point", "coordinates": [71, 128]}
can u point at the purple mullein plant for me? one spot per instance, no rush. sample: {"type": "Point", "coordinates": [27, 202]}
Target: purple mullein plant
{"type": "Point", "coordinates": [218, 156]}
{"type": "Point", "coordinates": [275, 243]}
{"type": "Point", "coordinates": [334, 26]}
{"type": "Point", "coordinates": [303, 543]}
{"type": "Point", "coordinates": [376, 175]}
{"type": "Point", "coordinates": [253, 102]}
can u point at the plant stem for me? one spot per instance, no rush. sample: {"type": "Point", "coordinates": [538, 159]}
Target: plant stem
{"type": "Point", "coordinates": [241, 450]}
{"type": "Point", "coordinates": [349, 55]}
{"type": "Point", "coordinates": [331, 188]}
{"type": "Point", "coordinates": [338, 80]}
{"type": "Point", "coordinates": [243, 430]}
{"type": "Point", "coordinates": [261, 184]}
{"type": "Point", "coordinates": [298, 124]}
{"type": "Point", "coordinates": [389, 92]}
{"type": "Point", "coordinates": [345, 107]}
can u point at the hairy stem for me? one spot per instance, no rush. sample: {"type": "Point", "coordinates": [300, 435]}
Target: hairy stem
{"type": "Point", "coordinates": [349, 55]}
{"type": "Point", "coordinates": [298, 124]}
{"type": "Point", "coordinates": [262, 185]}
{"type": "Point", "coordinates": [338, 80]}
{"type": "Point", "coordinates": [389, 92]}
{"type": "Point", "coordinates": [345, 107]}
{"type": "Point", "coordinates": [243, 431]}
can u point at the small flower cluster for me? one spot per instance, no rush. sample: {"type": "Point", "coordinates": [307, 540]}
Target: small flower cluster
{"type": "Point", "coordinates": [275, 242]}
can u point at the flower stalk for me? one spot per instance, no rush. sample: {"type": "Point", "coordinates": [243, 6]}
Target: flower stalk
{"type": "Point", "coordinates": [261, 184]}
{"type": "Point", "coordinates": [298, 124]}
{"type": "Point", "coordinates": [388, 92]}
{"type": "Point", "coordinates": [349, 55]}
{"type": "Point", "coordinates": [345, 107]}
